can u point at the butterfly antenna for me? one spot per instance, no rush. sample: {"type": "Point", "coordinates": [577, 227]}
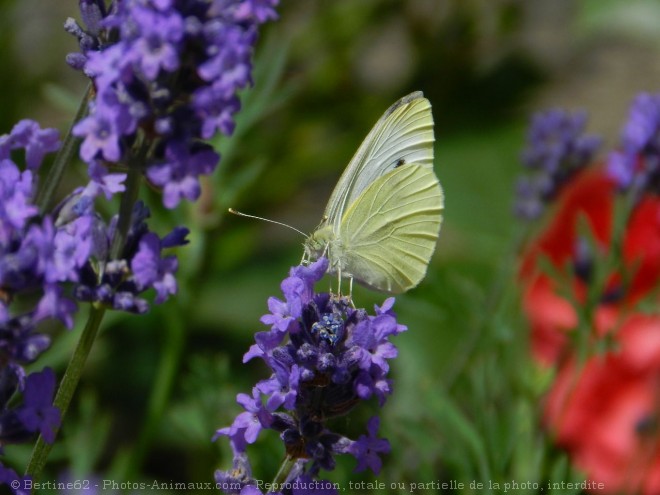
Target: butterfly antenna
{"type": "Point", "coordinates": [238, 213]}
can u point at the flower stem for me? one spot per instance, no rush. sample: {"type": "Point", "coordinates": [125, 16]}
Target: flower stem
{"type": "Point", "coordinates": [67, 387]}
{"type": "Point", "coordinates": [76, 365]}
{"type": "Point", "coordinates": [282, 473]}
{"type": "Point", "coordinates": [62, 159]}
{"type": "Point", "coordinates": [128, 199]}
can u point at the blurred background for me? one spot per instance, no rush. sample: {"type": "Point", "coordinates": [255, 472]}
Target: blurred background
{"type": "Point", "coordinates": [466, 394]}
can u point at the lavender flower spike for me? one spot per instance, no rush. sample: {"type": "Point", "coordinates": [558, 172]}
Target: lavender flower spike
{"type": "Point", "coordinates": [326, 357]}
{"type": "Point", "coordinates": [636, 165]}
{"type": "Point", "coordinates": [37, 256]}
{"type": "Point", "coordinates": [169, 80]}
{"type": "Point", "coordinates": [556, 150]}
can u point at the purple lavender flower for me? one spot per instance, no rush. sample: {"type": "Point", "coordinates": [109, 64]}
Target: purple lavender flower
{"type": "Point", "coordinates": [102, 181]}
{"type": "Point", "coordinates": [100, 135]}
{"type": "Point", "coordinates": [150, 270]}
{"type": "Point", "coordinates": [326, 357]}
{"type": "Point", "coordinates": [178, 172]}
{"type": "Point", "coordinates": [157, 35]}
{"type": "Point", "coordinates": [636, 165]}
{"type": "Point", "coordinates": [247, 425]}
{"type": "Point", "coordinates": [37, 259]}
{"type": "Point", "coordinates": [36, 256]}
{"type": "Point", "coordinates": [19, 422]}
{"type": "Point", "coordinates": [54, 304]}
{"type": "Point", "coordinates": [42, 257]}
{"type": "Point", "coordinates": [17, 483]}
{"type": "Point", "coordinates": [36, 413]}
{"type": "Point", "coordinates": [556, 150]}
{"type": "Point", "coordinates": [119, 283]}
{"type": "Point", "coordinates": [367, 448]}
{"type": "Point", "coordinates": [168, 81]}
{"type": "Point", "coordinates": [89, 37]}
{"type": "Point", "coordinates": [36, 142]}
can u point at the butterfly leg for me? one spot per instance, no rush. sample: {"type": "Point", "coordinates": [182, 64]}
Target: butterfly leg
{"type": "Point", "coordinates": [350, 291]}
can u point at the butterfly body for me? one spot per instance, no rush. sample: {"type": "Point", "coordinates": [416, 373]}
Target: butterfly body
{"type": "Point", "coordinates": [383, 218]}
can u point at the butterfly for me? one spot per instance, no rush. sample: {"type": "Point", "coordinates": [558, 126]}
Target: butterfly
{"type": "Point", "coordinates": [383, 219]}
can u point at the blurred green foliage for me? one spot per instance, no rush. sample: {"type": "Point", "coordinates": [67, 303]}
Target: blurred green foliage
{"type": "Point", "coordinates": [466, 396]}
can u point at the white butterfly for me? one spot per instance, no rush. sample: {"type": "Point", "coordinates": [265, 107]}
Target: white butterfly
{"type": "Point", "coordinates": [383, 218]}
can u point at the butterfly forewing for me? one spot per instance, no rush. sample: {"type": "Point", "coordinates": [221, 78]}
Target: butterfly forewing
{"type": "Point", "coordinates": [389, 233]}
{"type": "Point", "coordinates": [404, 134]}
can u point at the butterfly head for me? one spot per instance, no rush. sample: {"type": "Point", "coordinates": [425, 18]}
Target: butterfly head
{"type": "Point", "coordinates": [317, 244]}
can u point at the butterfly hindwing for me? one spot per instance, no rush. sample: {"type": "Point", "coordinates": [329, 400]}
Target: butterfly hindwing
{"type": "Point", "coordinates": [388, 234]}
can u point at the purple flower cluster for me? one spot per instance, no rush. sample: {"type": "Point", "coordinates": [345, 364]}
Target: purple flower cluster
{"type": "Point", "coordinates": [19, 422]}
{"type": "Point", "coordinates": [43, 256]}
{"type": "Point", "coordinates": [165, 77]}
{"type": "Point", "coordinates": [636, 165]}
{"type": "Point", "coordinates": [118, 283]}
{"type": "Point", "coordinates": [36, 255]}
{"type": "Point", "coordinates": [556, 150]}
{"type": "Point", "coordinates": [38, 258]}
{"type": "Point", "coordinates": [168, 81]}
{"type": "Point", "coordinates": [335, 356]}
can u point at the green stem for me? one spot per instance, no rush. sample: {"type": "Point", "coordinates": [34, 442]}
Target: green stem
{"type": "Point", "coordinates": [282, 473]}
{"type": "Point", "coordinates": [128, 199]}
{"type": "Point", "coordinates": [75, 368]}
{"type": "Point", "coordinates": [62, 159]}
{"type": "Point", "coordinates": [67, 387]}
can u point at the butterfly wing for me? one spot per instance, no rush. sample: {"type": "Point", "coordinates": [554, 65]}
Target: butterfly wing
{"type": "Point", "coordinates": [389, 233]}
{"type": "Point", "coordinates": [404, 134]}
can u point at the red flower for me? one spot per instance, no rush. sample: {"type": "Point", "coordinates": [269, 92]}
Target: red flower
{"type": "Point", "coordinates": [587, 200]}
{"type": "Point", "coordinates": [606, 414]}
{"type": "Point", "coordinates": [606, 411]}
